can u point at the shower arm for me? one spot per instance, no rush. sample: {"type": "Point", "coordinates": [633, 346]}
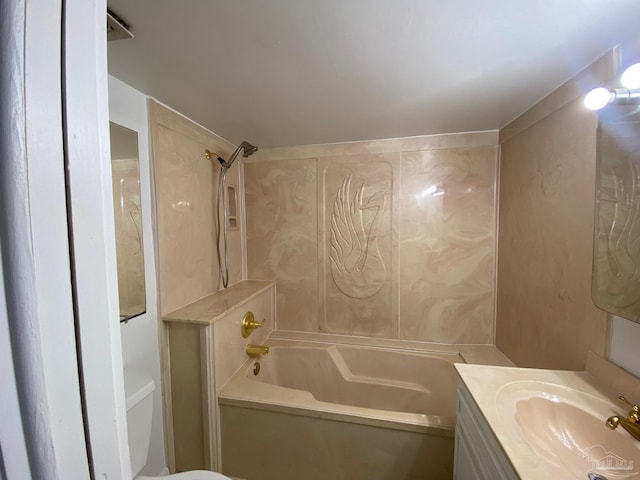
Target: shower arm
{"type": "Point", "coordinates": [226, 165]}
{"type": "Point", "coordinates": [247, 148]}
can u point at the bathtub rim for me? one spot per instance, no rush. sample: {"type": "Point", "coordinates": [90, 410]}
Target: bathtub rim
{"type": "Point", "coordinates": [241, 391]}
{"type": "Point", "coordinates": [358, 341]}
{"type": "Point", "coordinates": [474, 353]}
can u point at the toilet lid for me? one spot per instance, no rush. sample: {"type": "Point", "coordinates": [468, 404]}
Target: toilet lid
{"type": "Point", "coordinates": [192, 475]}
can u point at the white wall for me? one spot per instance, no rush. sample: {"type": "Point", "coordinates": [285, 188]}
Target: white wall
{"type": "Point", "coordinates": [624, 349]}
{"type": "Point", "coordinates": [140, 346]}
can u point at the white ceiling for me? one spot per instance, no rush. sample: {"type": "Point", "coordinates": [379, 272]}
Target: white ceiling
{"type": "Point", "coordinates": [289, 72]}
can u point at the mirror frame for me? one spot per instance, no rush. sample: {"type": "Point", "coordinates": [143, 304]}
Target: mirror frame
{"type": "Point", "coordinates": [615, 286]}
{"type": "Point", "coordinates": [123, 112]}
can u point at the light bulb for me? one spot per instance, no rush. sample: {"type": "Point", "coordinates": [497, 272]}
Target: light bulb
{"type": "Point", "coordinates": [598, 98]}
{"type": "Point", "coordinates": [631, 77]}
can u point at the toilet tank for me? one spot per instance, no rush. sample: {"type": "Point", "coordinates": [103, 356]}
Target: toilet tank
{"type": "Point", "coordinates": [138, 388]}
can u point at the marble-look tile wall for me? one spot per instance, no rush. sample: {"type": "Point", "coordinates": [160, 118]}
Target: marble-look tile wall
{"type": "Point", "coordinates": [206, 350]}
{"type": "Point", "coordinates": [545, 316]}
{"type": "Point", "coordinates": [387, 239]}
{"type": "Point", "coordinates": [185, 185]}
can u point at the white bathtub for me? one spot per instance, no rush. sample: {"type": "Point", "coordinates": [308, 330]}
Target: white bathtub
{"type": "Point", "coordinates": [321, 411]}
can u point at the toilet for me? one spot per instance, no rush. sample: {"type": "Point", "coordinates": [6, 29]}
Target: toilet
{"type": "Point", "coordinates": [139, 389]}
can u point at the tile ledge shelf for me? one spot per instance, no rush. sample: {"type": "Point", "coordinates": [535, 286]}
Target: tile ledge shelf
{"type": "Point", "coordinates": [213, 307]}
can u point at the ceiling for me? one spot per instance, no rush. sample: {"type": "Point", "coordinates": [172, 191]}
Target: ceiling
{"type": "Point", "coordinates": [291, 72]}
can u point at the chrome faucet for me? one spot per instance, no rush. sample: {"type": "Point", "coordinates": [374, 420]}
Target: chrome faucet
{"type": "Point", "coordinates": [255, 350]}
{"type": "Point", "coordinates": [631, 424]}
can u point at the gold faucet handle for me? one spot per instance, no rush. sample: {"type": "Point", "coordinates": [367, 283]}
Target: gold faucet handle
{"type": "Point", "coordinates": [613, 422]}
{"type": "Point", "coordinates": [249, 324]}
{"type": "Point", "coordinates": [634, 412]}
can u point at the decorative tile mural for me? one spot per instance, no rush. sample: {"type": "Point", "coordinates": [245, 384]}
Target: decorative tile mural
{"type": "Point", "coordinates": [357, 248]}
{"type": "Point", "coordinates": [357, 266]}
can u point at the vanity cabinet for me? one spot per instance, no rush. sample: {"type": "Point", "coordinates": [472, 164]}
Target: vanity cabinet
{"type": "Point", "coordinates": [478, 455]}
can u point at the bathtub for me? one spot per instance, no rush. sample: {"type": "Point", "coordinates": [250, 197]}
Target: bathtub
{"type": "Point", "coordinates": [334, 411]}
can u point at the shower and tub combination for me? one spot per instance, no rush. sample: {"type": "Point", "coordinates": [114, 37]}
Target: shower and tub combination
{"type": "Point", "coordinates": [319, 407]}
{"type": "Point", "coordinates": [317, 410]}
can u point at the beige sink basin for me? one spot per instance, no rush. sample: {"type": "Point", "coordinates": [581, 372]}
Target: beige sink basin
{"type": "Point", "coordinates": [566, 429]}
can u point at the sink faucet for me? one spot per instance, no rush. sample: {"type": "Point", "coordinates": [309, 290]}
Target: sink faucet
{"type": "Point", "coordinates": [631, 424]}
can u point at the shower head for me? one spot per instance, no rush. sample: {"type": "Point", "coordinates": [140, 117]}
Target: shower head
{"type": "Point", "coordinates": [247, 149]}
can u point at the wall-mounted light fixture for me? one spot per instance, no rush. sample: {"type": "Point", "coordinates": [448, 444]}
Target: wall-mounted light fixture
{"type": "Point", "coordinates": [631, 76]}
{"type": "Point", "coordinates": [600, 97]}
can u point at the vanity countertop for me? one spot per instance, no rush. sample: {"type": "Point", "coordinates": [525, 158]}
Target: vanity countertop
{"type": "Point", "coordinates": [551, 423]}
{"type": "Point", "coordinates": [213, 307]}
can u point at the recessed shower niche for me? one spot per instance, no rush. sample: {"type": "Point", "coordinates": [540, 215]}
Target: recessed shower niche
{"type": "Point", "coordinates": [356, 255]}
{"type": "Point", "coordinates": [232, 205]}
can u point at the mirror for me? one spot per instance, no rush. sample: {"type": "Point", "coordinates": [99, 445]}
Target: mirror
{"type": "Point", "coordinates": [128, 221]}
{"type": "Point", "coordinates": [616, 260]}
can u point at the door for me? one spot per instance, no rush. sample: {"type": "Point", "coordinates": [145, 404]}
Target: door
{"type": "Point", "coordinates": [58, 261]}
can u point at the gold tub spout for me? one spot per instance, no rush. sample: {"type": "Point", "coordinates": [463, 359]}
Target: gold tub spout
{"type": "Point", "coordinates": [254, 350]}
{"type": "Point", "coordinates": [631, 424]}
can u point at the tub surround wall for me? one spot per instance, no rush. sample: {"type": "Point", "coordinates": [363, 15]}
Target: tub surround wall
{"type": "Point", "coordinates": [386, 239]}
{"type": "Point", "coordinates": [206, 349]}
{"type": "Point", "coordinates": [187, 408]}
{"type": "Point", "coordinates": [185, 194]}
{"type": "Point", "coordinates": [185, 187]}
{"type": "Point", "coordinates": [545, 315]}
